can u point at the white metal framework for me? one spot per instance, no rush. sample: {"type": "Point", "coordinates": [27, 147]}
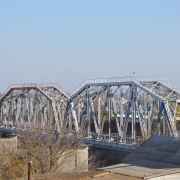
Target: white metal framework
{"type": "Point", "coordinates": [111, 112]}
{"type": "Point", "coordinates": [33, 107]}
{"type": "Point", "coordinates": [121, 104]}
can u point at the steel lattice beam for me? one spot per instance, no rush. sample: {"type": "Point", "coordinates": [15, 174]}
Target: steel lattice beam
{"type": "Point", "coordinates": [103, 112]}
{"type": "Point", "coordinates": [137, 103]}
{"type": "Point", "coordinates": [33, 107]}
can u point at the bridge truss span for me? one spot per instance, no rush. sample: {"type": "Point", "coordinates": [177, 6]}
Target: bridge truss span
{"type": "Point", "coordinates": [123, 107]}
{"type": "Point", "coordinates": [108, 112]}
{"type": "Point", "coordinates": [33, 107]}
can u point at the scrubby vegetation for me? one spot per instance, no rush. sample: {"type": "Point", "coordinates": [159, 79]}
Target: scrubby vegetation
{"type": "Point", "coordinates": [48, 154]}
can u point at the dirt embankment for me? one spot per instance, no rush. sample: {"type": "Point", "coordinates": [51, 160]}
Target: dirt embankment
{"type": "Point", "coordinates": [95, 175]}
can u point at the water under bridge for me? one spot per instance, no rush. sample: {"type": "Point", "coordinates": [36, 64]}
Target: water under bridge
{"type": "Point", "coordinates": [116, 113]}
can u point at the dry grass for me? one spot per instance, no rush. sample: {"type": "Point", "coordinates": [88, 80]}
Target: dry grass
{"type": "Point", "coordinates": [95, 175]}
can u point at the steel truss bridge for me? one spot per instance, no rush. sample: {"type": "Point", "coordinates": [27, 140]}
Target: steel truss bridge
{"type": "Point", "coordinates": [112, 112]}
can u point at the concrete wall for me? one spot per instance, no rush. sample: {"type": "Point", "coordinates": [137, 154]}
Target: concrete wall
{"type": "Point", "coordinates": [167, 177]}
{"type": "Point", "coordinates": [75, 162]}
{"type": "Point", "coordinates": [9, 143]}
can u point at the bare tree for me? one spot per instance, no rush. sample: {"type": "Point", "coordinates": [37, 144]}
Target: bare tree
{"type": "Point", "coordinates": [46, 152]}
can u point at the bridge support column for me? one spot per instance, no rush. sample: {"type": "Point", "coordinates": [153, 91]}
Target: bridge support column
{"type": "Point", "coordinates": [99, 116]}
{"type": "Point", "coordinates": [88, 113]}
{"type": "Point", "coordinates": [109, 112]}
{"type": "Point", "coordinates": [164, 126]}
{"type": "Point", "coordinates": [121, 112]}
{"type": "Point", "coordinates": [146, 111]}
{"type": "Point", "coordinates": [159, 117]}
{"type": "Point", "coordinates": [70, 120]}
{"type": "Point", "coordinates": [134, 114]}
{"type": "Point", "coordinates": [78, 115]}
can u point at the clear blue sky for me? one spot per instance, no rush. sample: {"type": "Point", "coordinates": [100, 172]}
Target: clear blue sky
{"type": "Point", "coordinates": [68, 41]}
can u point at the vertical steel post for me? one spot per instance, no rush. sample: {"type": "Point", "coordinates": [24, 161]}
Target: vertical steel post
{"type": "Point", "coordinates": [88, 112]}
{"type": "Point", "coordinates": [159, 118]}
{"type": "Point", "coordinates": [78, 115]}
{"type": "Point", "coordinates": [12, 106]}
{"type": "Point", "coordinates": [121, 112]}
{"type": "Point", "coordinates": [63, 109]}
{"type": "Point", "coordinates": [1, 112]}
{"type": "Point", "coordinates": [48, 114]}
{"type": "Point", "coordinates": [164, 126]}
{"type": "Point", "coordinates": [70, 120]}
{"type": "Point", "coordinates": [146, 111]}
{"type": "Point", "coordinates": [23, 98]}
{"type": "Point", "coordinates": [109, 112]}
{"type": "Point", "coordinates": [134, 114]}
{"type": "Point", "coordinates": [174, 107]}
{"type": "Point", "coordinates": [99, 115]}
{"type": "Point", "coordinates": [29, 170]}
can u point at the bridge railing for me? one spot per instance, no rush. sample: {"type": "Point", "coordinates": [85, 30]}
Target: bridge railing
{"type": "Point", "coordinates": [173, 86]}
{"type": "Point", "coordinates": [114, 138]}
{"type": "Point", "coordinates": [36, 85]}
{"type": "Point", "coordinates": [19, 86]}
{"type": "Point", "coordinates": [126, 79]}
{"type": "Point", "coordinates": [165, 81]}
{"type": "Point", "coordinates": [114, 80]}
{"type": "Point", "coordinates": [57, 86]}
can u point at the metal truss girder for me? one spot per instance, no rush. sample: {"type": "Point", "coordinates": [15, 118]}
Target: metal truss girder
{"type": "Point", "coordinates": [121, 110]}
{"type": "Point", "coordinates": [99, 84]}
{"type": "Point", "coordinates": [104, 110]}
{"type": "Point", "coordinates": [141, 120]}
{"type": "Point", "coordinates": [73, 114]}
{"type": "Point", "coordinates": [148, 91]}
{"type": "Point", "coordinates": [23, 88]}
{"type": "Point", "coordinates": [40, 107]}
{"type": "Point", "coordinates": [116, 119]}
{"type": "Point", "coordinates": [170, 89]}
{"type": "Point", "coordinates": [25, 107]}
{"type": "Point", "coordinates": [150, 115]}
{"type": "Point", "coordinates": [137, 84]}
{"type": "Point", "coordinates": [128, 107]}
{"type": "Point", "coordinates": [169, 118]}
{"type": "Point", "coordinates": [145, 119]}
{"type": "Point", "coordinates": [93, 115]}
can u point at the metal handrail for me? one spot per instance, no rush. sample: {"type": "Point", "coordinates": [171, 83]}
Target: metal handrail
{"type": "Point", "coordinates": [114, 80]}
{"type": "Point", "coordinates": [19, 86]}
{"type": "Point", "coordinates": [126, 79]}
{"type": "Point", "coordinates": [115, 138]}
{"type": "Point", "coordinates": [57, 86]}
{"type": "Point", "coordinates": [99, 81]}
{"type": "Point", "coordinates": [37, 86]}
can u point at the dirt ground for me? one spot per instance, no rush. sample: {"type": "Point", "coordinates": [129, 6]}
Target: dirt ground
{"type": "Point", "coordinates": [95, 175]}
